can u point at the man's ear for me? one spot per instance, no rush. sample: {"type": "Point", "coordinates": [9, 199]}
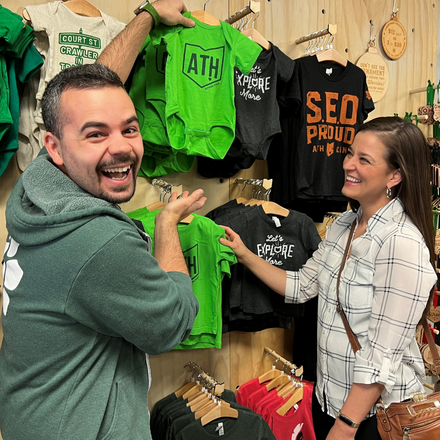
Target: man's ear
{"type": "Point", "coordinates": [396, 178]}
{"type": "Point", "coordinates": [53, 147]}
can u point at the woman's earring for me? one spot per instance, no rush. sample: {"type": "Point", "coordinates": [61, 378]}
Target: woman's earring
{"type": "Point", "coordinates": [389, 193]}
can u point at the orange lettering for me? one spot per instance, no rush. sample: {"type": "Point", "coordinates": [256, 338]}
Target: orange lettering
{"type": "Point", "coordinates": [312, 132]}
{"type": "Point", "coordinates": [317, 111]}
{"type": "Point", "coordinates": [331, 108]}
{"type": "Point", "coordinates": [347, 138]}
{"type": "Point", "coordinates": [322, 131]}
{"type": "Point", "coordinates": [339, 133]}
{"type": "Point", "coordinates": [330, 132]}
{"type": "Point", "coordinates": [344, 119]}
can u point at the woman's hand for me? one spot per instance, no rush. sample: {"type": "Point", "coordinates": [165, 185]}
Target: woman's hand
{"type": "Point", "coordinates": [234, 242]}
{"type": "Point", "coordinates": [341, 431]}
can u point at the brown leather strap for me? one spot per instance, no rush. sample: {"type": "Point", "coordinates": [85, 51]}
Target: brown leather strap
{"type": "Point", "coordinates": [351, 336]}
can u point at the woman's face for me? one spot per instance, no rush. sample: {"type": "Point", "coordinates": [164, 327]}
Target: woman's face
{"type": "Point", "coordinates": [367, 174]}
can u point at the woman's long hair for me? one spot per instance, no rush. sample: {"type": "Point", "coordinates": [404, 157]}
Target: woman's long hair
{"type": "Point", "coordinates": [407, 150]}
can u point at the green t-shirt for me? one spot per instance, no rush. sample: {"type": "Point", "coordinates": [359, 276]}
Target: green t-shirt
{"type": "Point", "coordinates": [208, 261]}
{"type": "Point", "coordinates": [199, 84]}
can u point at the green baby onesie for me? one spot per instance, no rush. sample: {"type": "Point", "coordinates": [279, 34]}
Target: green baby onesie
{"type": "Point", "coordinates": [199, 84]}
{"type": "Point", "coordinates": [148, 95]}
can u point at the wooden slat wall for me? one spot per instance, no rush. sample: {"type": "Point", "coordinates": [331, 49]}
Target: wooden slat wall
{"type": "Point", "coordinates": [281, 22]}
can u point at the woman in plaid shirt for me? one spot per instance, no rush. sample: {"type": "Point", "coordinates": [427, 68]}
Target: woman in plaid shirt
{"type": "Point", "coordinates": [384, 287]}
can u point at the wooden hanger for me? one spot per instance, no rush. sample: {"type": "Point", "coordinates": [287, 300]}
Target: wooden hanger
{"type": "Point", "coordinates": [196, 398]}
{"type": "Point", "coordinates": [219, 411]}
{"type": "Point", "coordinates": [280, 380]}
{"type": "Point", "coordinates": [254, 35]}
{"type": "Point", "coordinates": [82, 7]}
{"type": "Point", "coordinates": [200, 404]}
{"type": "Point", "coordinates": [187, 220]}
{"type": "Point", "coordinates": [156, 205]}
{"type": "Point", "coordinates": [206, 17]}
{"type": "Point", "coordinates": [333, 56]}
{"type": "Point", "coordinates": [241, 200]}
{"type": "Point", "coordinates": [287, 388]}
{"type": "Point", "coordinates": [205, 410]}
{"type": "Point", "coordinates": [253, 202]}
{"type": "Point", "coordinates": [297, 395]}
{"type": "Point", "coordinates": [193, 391]}
{"type": "Point", "coordinates": [275, 209]}
{"type": "Point", "coordinates": [184, 388]}
{"type": "Point", "coordinates": [269, 375]}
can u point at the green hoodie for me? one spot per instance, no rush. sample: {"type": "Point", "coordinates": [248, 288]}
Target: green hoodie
{"type": "Point", "coordinates": [83, 300]}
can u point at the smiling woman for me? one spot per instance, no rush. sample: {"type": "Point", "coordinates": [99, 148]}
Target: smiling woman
{"type": "Point", "coordinates": [383, 289]}
{"type": "Point", "coordinates": [367, 173]}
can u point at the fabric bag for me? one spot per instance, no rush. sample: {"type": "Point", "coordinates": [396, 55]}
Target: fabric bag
{"type": "Point", "coordinates": [414, 419]}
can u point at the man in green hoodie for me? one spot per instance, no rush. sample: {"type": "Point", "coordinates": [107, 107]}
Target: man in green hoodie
{"type": "Point", "coordinates": [84, 299]}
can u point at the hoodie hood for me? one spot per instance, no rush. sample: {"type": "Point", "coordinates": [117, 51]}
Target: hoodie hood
{"type": "Point", "coordinates": [45, 205]}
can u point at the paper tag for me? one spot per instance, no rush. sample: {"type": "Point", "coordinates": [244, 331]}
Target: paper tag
{"type": "Point", "coordinates": [329, 71]}
{"type": "Point", "coordinates": [277, 222]}
{"type": "Point", "coordinates": [220, 429]}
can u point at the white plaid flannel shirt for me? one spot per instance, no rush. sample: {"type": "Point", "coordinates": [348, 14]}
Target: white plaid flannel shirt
{"type": "Point", "coordinates": [384, 288]}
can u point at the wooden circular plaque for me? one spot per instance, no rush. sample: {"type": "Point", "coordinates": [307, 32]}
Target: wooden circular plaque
{"type": "Point", "coordinates": [376, 72]}
{"type": "Point", "coordinates": [394, 39]}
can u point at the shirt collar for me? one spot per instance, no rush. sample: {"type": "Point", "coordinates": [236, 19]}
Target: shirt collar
{"type": "Point", "coordinates": [391, 210]}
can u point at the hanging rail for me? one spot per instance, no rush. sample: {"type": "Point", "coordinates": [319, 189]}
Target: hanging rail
{"type": "Point", "coordinates": [207, 380]}
{"type": "Point", "coordinates": [330, 29]}
{"type": "Point", "coordinates": [261, 186]}
{"type": "Point", "coordinates": [286, 366]}
{"type": "Point", "coordinates": [167, 188]}
{"type": "Point", "coordinates": [254, 7]}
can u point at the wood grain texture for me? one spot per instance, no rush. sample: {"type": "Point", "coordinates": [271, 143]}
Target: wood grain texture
{"type": "Point", "coordinates": [281, 22]}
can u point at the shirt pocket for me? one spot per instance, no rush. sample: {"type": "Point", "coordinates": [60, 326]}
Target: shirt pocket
{"type": "Point", "coordinates": [328, 270]}
{"type": "Point", "coordinates": [356, 295]}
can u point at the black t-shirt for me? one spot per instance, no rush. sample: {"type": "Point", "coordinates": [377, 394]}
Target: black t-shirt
{"type": "Point", "coordinates": [248, 425]}
{"type": "Point", "coordinates": [328, 102]}
{"type": "Point", "coordinates": [256, 101]}
{"type": "Point", "coordinates": [257, 98]}
{"type": "Point", "coordinates": [287, 246]}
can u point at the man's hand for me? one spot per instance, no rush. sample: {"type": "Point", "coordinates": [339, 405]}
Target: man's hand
{"type": "Point", "coordinates": [120, 55]}
{"type": "Point", "coordinates": [167, 249]}
{"type": "Point", "coordinates": [179, 208]}
{"type": "Point", "coordinates": [170, 12]}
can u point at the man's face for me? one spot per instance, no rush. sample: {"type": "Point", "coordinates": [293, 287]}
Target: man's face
{"type": "Point", "coordinates": [101, 146]}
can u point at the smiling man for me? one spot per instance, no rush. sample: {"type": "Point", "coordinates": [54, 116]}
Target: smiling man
{"type": "Point", "coordinates": [99, 148]}
{"type": "Point", "coordinates": [84, 299]}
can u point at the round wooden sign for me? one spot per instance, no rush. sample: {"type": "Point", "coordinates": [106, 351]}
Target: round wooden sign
{"type": "Point", "coordinates": [376, 70]}
{"type": "Point", "coordinates": [394, 39]}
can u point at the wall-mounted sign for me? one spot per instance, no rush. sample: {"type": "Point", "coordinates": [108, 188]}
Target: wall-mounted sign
{"type": "Point", "coordinates": [394, 39]}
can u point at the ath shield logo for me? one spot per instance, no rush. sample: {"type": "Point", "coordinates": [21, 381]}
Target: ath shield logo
{"type": "Point", "coordinates": [204, 67]}
{"type": "Point", "coordinates": [192, 261]}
